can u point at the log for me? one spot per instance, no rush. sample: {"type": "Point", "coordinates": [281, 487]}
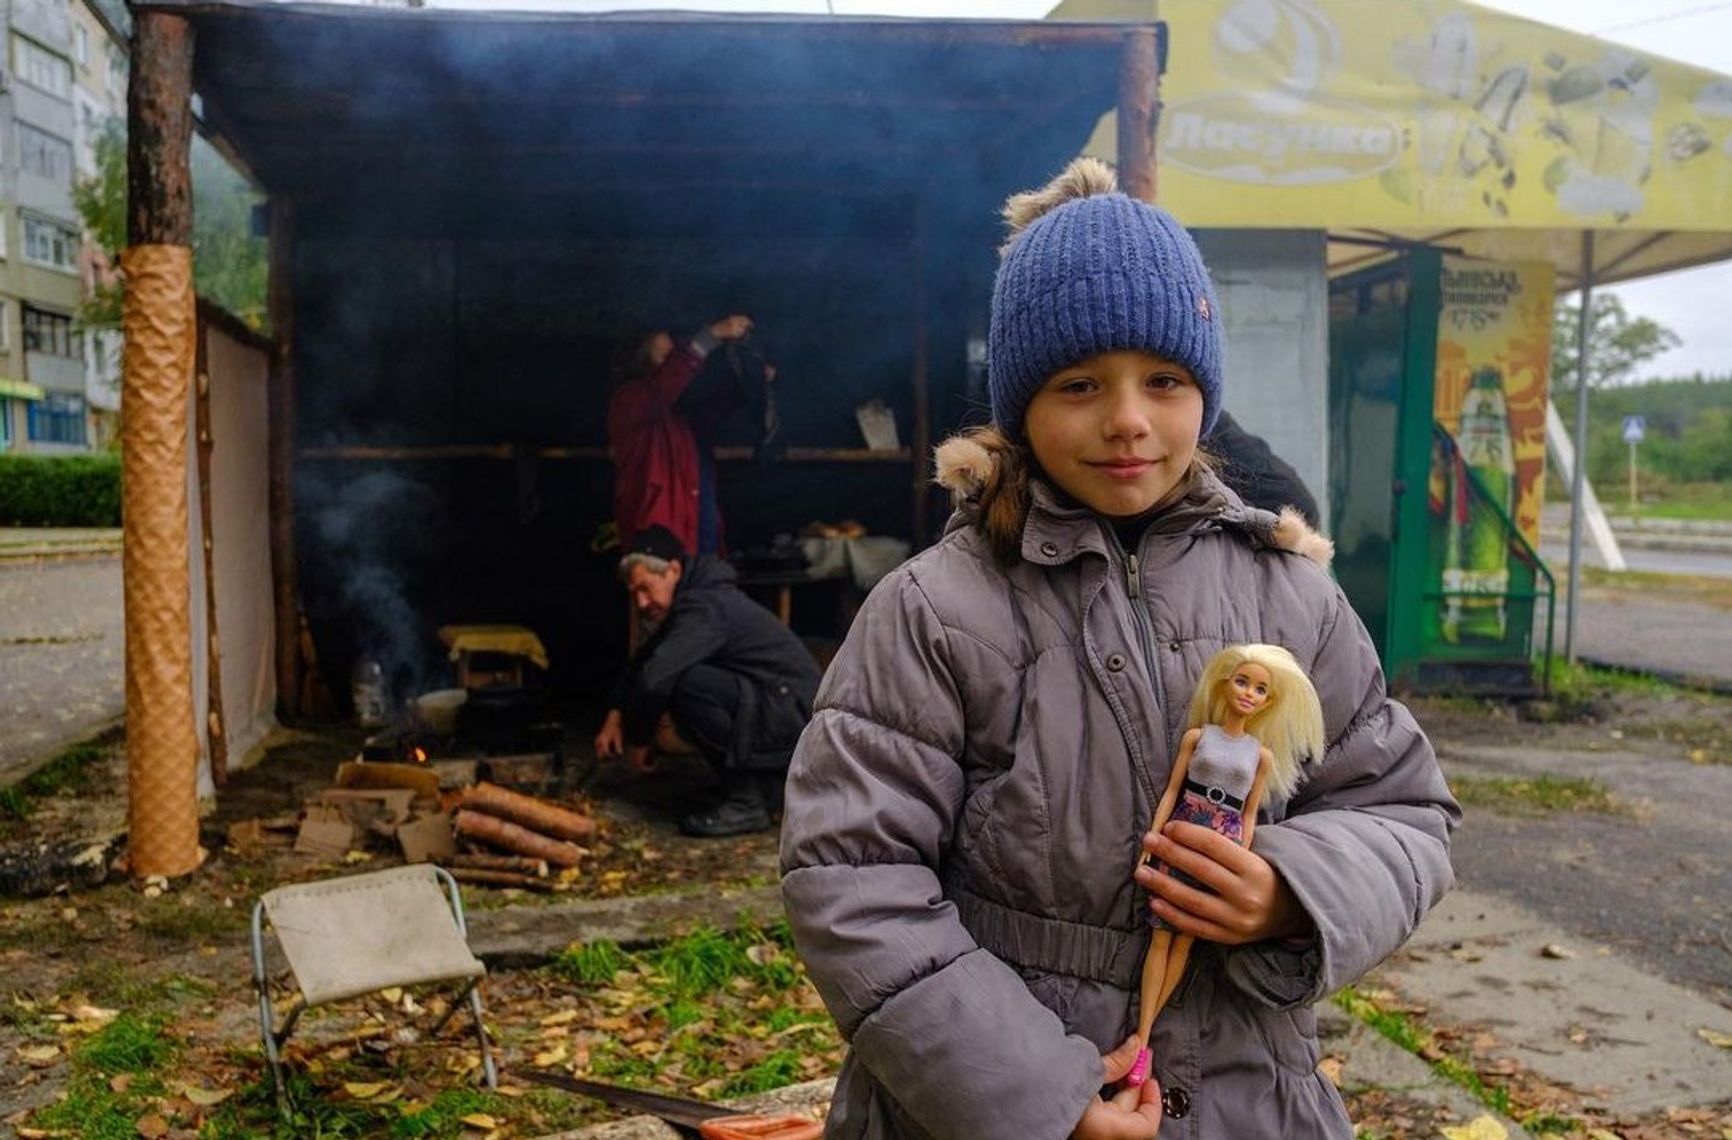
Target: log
{"type": "Point", "coordinates": [517, 864]}
{"type": "Point", "coordinates": [537, 815]}
{"type": "Point", "coordinates": [482, 878]}
{"type": "Point", "coordinates": [505, 834]}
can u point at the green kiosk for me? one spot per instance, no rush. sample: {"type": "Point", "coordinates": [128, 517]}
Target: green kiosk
{"type": "Point", "coordinates": [1437, 429]}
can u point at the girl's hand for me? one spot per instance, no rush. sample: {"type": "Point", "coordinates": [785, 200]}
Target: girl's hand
{"type": "Point", "coordinates": [1250, 900]}
{"type": "Point", "coordinates": [1132, 1114]}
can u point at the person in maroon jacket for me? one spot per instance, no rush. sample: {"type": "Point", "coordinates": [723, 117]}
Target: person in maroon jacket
{"type": "Point", "coordinates": [658, 466]}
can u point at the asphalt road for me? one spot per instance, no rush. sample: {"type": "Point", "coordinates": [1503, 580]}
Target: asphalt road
{"type": "Point", "coordinates": [1710, 564]}
{"type": "Point", "coordinates": [1652, 881]}
{"type": "Point", "coordinates": [61, 655]}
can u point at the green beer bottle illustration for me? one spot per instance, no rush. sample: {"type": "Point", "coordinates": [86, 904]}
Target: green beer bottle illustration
{"type": "Point", "coordinates": [1476, 566]}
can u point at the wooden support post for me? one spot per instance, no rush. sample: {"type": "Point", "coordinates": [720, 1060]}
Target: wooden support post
{"type": "Point", "coordinates": [215, 732]}
{"type": "Point", "coordinates": [160, 322]}
{"type": "Point", "coordinates": [285, 589]}
{"type": "Point", "coordinates": [1139, 113]}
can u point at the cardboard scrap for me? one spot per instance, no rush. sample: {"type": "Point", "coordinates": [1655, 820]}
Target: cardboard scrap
{"type": "Point", "coordinates": [427, 840]}
{"type": "Point", "coordinates": [328, 838]}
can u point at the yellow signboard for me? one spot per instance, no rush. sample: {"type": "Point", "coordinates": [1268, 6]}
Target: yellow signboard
{"type": "Point", "coordinates": [1425, 114]}
{"type": "Point", "coordinates": [1493, 359]}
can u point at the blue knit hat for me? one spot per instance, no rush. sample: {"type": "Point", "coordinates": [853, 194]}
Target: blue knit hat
{"type": "Point", "coordinates": [1094, 271]}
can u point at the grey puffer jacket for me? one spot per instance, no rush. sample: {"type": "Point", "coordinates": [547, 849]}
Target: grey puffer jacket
{"type": "Point", "coordinates": [964, 813]}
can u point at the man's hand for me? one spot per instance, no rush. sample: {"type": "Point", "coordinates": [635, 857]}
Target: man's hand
{"type": "Point", "coordinates": [610, 741]}
{"type": "Point", "coordinates": [1131, 1114]}
{"type": "Point", "coordinates": [641, 757]}
{"type": "Point", "coordinates": [1250, 900]}
{"type": "Point", "coordinates": [732, 327]}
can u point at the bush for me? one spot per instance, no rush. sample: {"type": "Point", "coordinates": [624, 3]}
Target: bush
{"type": "Point", "coordinates": [72, 490]}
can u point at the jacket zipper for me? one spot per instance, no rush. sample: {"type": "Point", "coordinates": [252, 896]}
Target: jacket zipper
{"type": "Point", "coordinates": [1145, 636]}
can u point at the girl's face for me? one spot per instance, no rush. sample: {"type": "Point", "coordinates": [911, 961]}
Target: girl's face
{"type": "Point", "coordinates": [1248, 689]}
{"type": "Point", "coordinates": [1117, 431]}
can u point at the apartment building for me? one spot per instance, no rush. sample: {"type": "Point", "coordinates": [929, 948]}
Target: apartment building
{"type": "Point", "coordinates": [42, 404]}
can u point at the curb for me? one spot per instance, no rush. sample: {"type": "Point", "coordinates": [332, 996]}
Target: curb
{"type": "Point", "coordinates": [1702, 682]}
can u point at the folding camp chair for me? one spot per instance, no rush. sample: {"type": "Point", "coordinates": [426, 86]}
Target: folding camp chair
{"type": "Point", "coordinates": [361, 934]}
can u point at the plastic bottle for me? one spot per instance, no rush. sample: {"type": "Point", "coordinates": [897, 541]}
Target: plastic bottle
{"type": "Point", "coordinates": [1477, 564]}
{"type": "Point", "coordinates": [367, 689]}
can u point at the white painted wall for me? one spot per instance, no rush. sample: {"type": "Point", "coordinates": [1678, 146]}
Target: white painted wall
{"type": "Point", "coordinates": [1275, 300]}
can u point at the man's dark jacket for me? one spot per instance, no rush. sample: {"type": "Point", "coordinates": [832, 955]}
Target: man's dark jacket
{"type": "Point", "coordinates": [712, 623]}
{"type": "Point", "coordinates": [1251, 467]}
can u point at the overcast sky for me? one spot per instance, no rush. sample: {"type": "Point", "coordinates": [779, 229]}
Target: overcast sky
{"type": "Point", "coordinates": [1694, 302]}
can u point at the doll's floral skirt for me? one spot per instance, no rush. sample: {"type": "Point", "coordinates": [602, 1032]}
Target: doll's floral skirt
{"type": "Point", "coordinates": [1198, 809]}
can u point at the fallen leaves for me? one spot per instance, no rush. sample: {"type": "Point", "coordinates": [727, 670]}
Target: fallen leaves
{"type": "Point", "coordinates": [1482, 1128]}
{"type": "Point", "coordinates": [1716, 1038]}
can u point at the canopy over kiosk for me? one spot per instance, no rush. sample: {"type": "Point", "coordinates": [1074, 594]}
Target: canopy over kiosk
{"type": "Point", "coordinates": [466, 209]}
{"type": "Point", "coordinates": [1438, 125]}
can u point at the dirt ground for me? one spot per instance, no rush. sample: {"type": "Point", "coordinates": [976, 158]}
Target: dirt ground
{"type": "Point", "coordinates": [176, 962]}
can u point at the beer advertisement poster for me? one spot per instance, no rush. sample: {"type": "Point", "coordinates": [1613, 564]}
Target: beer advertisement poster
{"type": "Point", "coordinates": [1488, 460]}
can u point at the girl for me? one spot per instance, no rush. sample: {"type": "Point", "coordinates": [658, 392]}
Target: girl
{"type": "Point", "coordinates": [1254, 719]}
{"type": "Point", "coordinates": [965, 809]}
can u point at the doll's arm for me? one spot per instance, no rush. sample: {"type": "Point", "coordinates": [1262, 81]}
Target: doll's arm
{"type": "Point", "coordinates": [1265, 763]}
{"type": "Point", "coordinates": [1175, 784]}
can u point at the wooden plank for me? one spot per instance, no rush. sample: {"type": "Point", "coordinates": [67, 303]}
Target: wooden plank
{"type": "Point", "coordinates": [216, 734]}
{"type": "Point", "coordinates": [285, 590]}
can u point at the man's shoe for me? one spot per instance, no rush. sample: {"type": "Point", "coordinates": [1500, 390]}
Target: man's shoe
{"type": "Point", "coordinates": [740, 812]}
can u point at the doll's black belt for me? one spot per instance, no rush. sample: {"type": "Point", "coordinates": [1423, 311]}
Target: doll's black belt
{"type": "Point", "coordinates": [1215, 795]}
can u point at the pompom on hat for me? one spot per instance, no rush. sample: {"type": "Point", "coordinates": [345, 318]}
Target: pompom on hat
{"type": "Point", "coordinates": [1088, 270]}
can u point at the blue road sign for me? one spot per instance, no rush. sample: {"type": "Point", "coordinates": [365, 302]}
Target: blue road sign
{"type": "Point", "coordinates": [1635, 427]}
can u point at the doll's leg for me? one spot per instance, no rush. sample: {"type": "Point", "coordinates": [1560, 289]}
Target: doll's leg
{"type": "Point", "coordinates": [1154, 976]}
{"type": "Point", "coordinates": [1175, 968]}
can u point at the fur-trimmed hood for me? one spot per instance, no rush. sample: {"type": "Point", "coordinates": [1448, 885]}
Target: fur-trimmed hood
{"type": "Point", "coordinates": [965, 466]}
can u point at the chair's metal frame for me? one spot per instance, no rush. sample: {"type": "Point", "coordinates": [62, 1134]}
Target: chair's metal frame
{"type": "Point", "coordinates": [275, 1038]}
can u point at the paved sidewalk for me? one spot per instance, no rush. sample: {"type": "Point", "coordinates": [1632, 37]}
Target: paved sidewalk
{"type": "Point", "coordinates": [1683, 641]}
{"type": "Point", "coordinates": [62, 644]}
{"type": "Point", "coordinates": [1594, 1021]}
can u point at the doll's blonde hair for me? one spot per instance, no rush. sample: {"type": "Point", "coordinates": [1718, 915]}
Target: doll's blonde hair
{"type": "Point", "coordinates": [1290, 725]}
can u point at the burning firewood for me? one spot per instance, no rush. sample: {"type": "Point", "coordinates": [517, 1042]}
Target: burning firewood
{"type": "Point", "coordinates": [537, 815]}
{"type": "Point", "coordinates": [513, 837]}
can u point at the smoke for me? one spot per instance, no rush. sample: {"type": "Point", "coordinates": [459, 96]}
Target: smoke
{"type": "Point", "coordinates": [376, 536]}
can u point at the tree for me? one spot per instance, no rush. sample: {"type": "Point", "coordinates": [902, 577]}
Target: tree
{"type": "Point", "coordinates": [1617, 342]}
{"type": "Point", "coordinates": [101, 203]}
{"type": "Point", "coordinates": [229, 263]}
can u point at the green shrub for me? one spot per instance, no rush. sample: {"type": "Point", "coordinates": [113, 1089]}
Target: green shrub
{"type": "Point", "coordinates": [70, 490]}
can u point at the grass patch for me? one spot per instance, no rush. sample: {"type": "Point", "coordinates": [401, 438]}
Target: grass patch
{"type": "Point", "coordinates": [1533, 796]}
{"type": "Point", "coordinates": [66, 774]}
{"type": "Point", "coordinates": [1408, 1033]}
{"type": "Point", "coordinates": [183, 920]}
{"type": "Point", "coordinates": [1688, 587]}
{"type": "Point", "coordinates": [94, 1108]}
{"type": "Point", "coordinates": [591, 963]}
{"type": "Point", "coordinates": [110, 984]}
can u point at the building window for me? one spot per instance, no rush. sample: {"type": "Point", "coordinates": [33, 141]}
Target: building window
{"type": "Point", "coordinates": [39, 67]}
{"type": "Point", "coordinates": [57, 418]}
{"type": "Point", "coordinates": [51, 333]}
{"type": "Point", "coordinates": [5, 327]}
{"type": "Point", "coordinates": [116, 70]}
{"type": "Point", "coordinates": [43, 154]}
{"type": "Point", "coordinates": [50, 244]}
{"type": "Point", "coordinates": [81, 45]}
{"type": "Point", "coordinates": [5, 424]}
